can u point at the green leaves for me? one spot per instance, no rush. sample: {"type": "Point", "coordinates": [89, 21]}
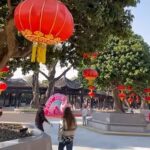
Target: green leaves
{"type": "Point", "coordinates": [125, 61]}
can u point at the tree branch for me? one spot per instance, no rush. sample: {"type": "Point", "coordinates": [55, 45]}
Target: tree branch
{"type": "Point", "coordinates": [44, 74]}
{"type": "Point", "coordinates": [63, 73]}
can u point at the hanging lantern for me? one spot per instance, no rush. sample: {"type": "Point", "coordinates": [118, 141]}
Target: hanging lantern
{"type": "Point", "coordinates": [147, 92]}
{"type": "Point", "coordinates": [122, 96]}
{"type": "Point", "coordinates": [3, 86]}
{"type": "Point", "coordinates": [43, 22]}
{"type": "Point", "coordinates": [94, 55]}
{"type": "Point", "coordinates": [85, 55]}
{"type": "Point", "coordinates": [129, 88]}
{"type": "Point", "coordinates": [4, 71]}
{"type": "Point", "coordinates": [91, 94]}
{"type": "Point", "coordinates": [121, 87]}
{"type": "Point", "coordinates": [90, 75]}
{"type": "Point", "coordinates": [91, 88]}
{"type": "Point", "coordinates": [130, 100]}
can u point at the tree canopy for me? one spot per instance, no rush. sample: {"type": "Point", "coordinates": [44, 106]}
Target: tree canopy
{"type": "Point", "coordinates": [94, 22]}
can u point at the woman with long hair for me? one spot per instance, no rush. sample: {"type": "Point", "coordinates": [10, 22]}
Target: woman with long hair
{"type": "Point", "coordinates": [67, 130]}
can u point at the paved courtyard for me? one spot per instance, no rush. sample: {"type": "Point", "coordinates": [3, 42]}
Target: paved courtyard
{"type": "Point", "coordinates": [86, 139]}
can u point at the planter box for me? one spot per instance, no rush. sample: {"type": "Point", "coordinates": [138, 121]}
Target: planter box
{"type": "Point", "coordinates": [39, 141]}
{"type": "Point", "coordinates": [118, 122]}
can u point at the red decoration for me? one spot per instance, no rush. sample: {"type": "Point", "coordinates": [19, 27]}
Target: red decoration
{"type": "Point", "coordinates": [85, 55]}
{"type": "Point", "coordinates": [91, 94]}
{"type": "Point", "coordinates": [90, 75]}
{"type": "Point", "coordinates": [43, 22]}
{"type": "Point", "coordinates": [3, 86]}
{"type": "Point", "coordinates": [121, 87]}
{"type": "Point", "coordinates": [130, 100]}
{"type": "Point", "coordinates": [90, 55]}
{"type": "Point", "coordinates": [5, 69]}
{"type": "Point", "coordinates": [129, 88]}
{"type": "Point", "coordinates": [91, 87]}
{"type": "Point", "coordinates": [147, 97]}
{"type": "Point", "coordinates": [122, 96]}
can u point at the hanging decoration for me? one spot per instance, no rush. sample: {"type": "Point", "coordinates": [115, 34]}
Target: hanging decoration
{"type": "Point", "coordinates": [43, 22]}
{"type": "Point", "coordinates": [3, 86]}
{"type": "Point", "coordinates": [121, 89]}
{"type": "Point", "coordinates": [91, 93]}
{"type": "Point", "coordinates": [147, 94]}
{"type": "Point", "coordinates": [4, 71]}
{"type": "Point", "coordinates": [90, 75]}
{"type": "Point", "coordinates": [90, 55]}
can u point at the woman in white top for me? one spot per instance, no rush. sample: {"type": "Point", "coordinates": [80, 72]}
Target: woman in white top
{"type": "Point", "coordinates": [68, 130]}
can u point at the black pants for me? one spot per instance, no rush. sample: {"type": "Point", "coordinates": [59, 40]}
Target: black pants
{"type": "Point", "coordinates": [69, 145]}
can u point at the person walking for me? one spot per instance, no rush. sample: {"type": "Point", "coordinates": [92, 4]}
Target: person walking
{"type": "Point", "coordinates": [67, 129]}
{"type": "Point", "coordinates": [40, 118]}
{"type": "Point", "coordinates": [84, 115]}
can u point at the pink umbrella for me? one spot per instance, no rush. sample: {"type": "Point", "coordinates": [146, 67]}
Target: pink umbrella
{"type": "Point", "coordinates": [55, 105]}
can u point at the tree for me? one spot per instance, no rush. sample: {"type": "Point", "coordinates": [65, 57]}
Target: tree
{"type": "Point", "coordinates": [124, 62]}
{"type": "Point", "coordinates": [94, 22]}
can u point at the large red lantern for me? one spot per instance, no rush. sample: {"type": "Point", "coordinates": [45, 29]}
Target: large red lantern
{"type": "Point", "coordinates": [3, 86]}
{"type": "Point", "coordinates": [43, 22]}
{"type": "Point", "coordinates": [90, 75]}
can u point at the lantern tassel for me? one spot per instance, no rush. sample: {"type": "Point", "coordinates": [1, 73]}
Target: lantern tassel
{"type": "Point", "coordinates": [90, 82]}
{"type": "Point", "coordinates": [41, 53]}
{"type": "Point", "coordinates": [34, 50]}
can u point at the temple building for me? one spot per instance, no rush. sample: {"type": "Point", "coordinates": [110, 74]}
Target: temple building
{"type": "Point", "coordinates": [19, 93]}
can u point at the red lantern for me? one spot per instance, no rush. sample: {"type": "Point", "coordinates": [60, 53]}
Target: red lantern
{"type": "Point", "coordinates": [91, 94]}
{"type": "Point", "coordinates": [3, 71]}
{"type": "Point", "coordinates": [85, 55]}
{"type": "Point", "coordinates": [121, 87]}
{"type": "Point", "coordinates": [122, 96]}
{"type": "Point", "coordinates": [147, 97]}
{"type": "Point", "coordinates": [3, 86]}
{"type": "Point", "coordinates": [129, 88]}
{"type": "Point", "coordinates": [43, 22]}
{"type": "Point", "coordinates": [130, 100]}
{"type": "Point", "coordinates": [90, 75]}
{"type": "Point", "coordinates": [94, 55]}
{"type": "Point", "coordinates": [91, 87]}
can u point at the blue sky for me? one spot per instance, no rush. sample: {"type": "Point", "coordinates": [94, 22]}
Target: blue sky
{"type": "Point", "coordinates": [141, 22]}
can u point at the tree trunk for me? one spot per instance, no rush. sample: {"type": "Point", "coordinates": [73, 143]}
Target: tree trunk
{"type": "Point", "coordinates": [117, 103]}
{"type": "Point", "coordinates": [51, 81]}
{"type": "Point", "coordinates": [35, 89]}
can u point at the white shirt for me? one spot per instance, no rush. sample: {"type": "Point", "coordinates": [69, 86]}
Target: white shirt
{"type": "Point", "coordinates": [84, 112]}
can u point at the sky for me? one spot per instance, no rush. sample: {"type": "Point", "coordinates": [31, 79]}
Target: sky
{"type": "Point", "coordinates": [140, 25]}
{"type": "Point", "coordinates": [141, 22]}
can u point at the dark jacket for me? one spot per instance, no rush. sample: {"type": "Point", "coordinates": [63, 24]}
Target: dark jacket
{"type": "Point", "coordinates": [40, 117]}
